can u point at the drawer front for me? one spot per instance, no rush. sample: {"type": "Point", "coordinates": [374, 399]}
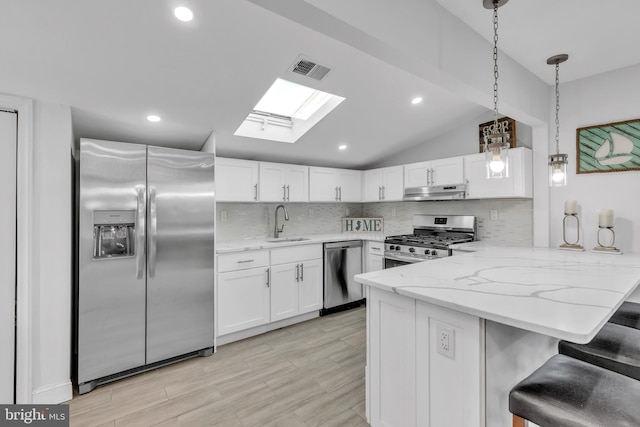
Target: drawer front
{"type": "Point", "coordinates": [295, 254]}
{"type": "Point", "coordinates": [375, 248]}
{"type": "Point", "coordinates": [242, 260]}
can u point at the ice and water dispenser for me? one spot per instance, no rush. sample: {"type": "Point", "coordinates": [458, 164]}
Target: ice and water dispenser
{"type": "Point", "coordinates": [113, 234]}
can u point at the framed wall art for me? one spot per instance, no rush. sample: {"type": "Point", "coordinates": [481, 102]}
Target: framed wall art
{"type": "Point", "coordinates": [611, 147]}
{"type": "Point", "coordinates": [505, 124]}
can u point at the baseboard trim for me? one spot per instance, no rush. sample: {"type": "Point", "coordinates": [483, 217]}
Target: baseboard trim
{"type": "Point", "coordinates": [53, 394]}
{"type": "Point", "coordinates": [257, 330]}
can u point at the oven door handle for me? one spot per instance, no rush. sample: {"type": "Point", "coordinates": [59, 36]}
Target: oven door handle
{"type": "Point", "coordinates": [396, 257]}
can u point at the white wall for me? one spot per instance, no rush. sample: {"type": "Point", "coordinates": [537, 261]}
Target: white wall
{"type": "Point", "coordinates": [606, 98]}
{"type": "Point", "coordinates": [51, 245]}
{"type": "Point", "coordinates": [463, 139]}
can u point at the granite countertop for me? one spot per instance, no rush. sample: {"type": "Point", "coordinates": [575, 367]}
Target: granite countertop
{"type": "Point", "coordinates": [230, 246]}
{"type": "Point", "coordinates": [567, 295]}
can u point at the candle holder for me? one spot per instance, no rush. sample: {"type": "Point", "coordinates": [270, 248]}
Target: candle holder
{"type": "Point", "coordinates": [575, 246]}
{"type": "Point", "coordinates": [607, 249]}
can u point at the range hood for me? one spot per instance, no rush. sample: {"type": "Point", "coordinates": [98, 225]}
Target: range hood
{"type": "Point", "coordinates": [435, 192]}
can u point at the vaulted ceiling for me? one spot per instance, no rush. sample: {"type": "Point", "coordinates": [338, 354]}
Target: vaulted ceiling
{"type": "Point", "coordinates": [116, 61]}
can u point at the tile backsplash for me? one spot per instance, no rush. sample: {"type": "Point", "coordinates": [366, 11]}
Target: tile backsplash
{"type": "Point", "coordinates": [248, 220]}
{"type": "Point", "coordinates": [514, 225]}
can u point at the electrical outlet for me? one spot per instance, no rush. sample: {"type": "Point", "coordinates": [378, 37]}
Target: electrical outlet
{"type": "Point", "coordinates": [445, 340]}
{"type": "Point", "coordinates": [223, 216]}
{"type": "Point", "coordinates": [494, 214]}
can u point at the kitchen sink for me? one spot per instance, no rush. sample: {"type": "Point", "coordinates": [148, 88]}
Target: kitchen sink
{"type": "Point", "coordinates": [287, 239]}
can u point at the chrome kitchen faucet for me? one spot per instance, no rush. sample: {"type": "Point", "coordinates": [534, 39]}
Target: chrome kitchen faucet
{"type": "Point", "coordinates": [277, 231]}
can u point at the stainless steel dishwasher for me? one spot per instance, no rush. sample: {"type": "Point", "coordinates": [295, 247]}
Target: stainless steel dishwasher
{"type": "Point", "coordinates": [342, 261]}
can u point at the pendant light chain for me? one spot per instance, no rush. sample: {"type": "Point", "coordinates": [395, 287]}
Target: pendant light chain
{"type": "Point", "coordinates": [557, 108]}
{"type": "Point", "coordinates": [495, 64]}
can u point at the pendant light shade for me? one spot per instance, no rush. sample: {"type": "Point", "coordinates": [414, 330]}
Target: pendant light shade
{"type": "Point", "coordinates": [558, 162]}
{"type": "Point", "coordinates": [496, 143]}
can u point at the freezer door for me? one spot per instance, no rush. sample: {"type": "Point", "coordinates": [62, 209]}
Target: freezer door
{"type": "Point", "coordinates": [181, 252]}
{"type": "Point", "coordinates": [111, 289]}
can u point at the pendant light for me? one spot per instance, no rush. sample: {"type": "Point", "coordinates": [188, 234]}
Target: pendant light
{"type": "Point", "coordinates": [557, 162]}
{"type": "Point", "coordinates": [496, 143]}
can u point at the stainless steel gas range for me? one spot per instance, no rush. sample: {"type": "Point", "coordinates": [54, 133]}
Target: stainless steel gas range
{"type": "Point", "coordinates": [432, 238]}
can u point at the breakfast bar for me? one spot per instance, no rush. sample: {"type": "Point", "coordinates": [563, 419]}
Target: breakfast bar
{"type": "Point", "coordinates": [447, 339]}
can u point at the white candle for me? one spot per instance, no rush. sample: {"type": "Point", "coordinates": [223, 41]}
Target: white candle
{"type": "Point", "coordinates": [570, 207]}
{"type": "Point", "coordinates": [606, 218]}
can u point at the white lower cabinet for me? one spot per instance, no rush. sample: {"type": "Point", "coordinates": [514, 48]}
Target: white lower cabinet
{"type": "Point", "coordinates": [391, 360]}
{"type": "Point", "coordinates": [409, 382]}
{"type": "Point", "coordinates": [245, 299]}
{"type": "Point", "coordinates": [296, 286]}
{"type": "Point", "coordinates": [256, 288]}
{"type": "Point", "coordinates": [374, 256]}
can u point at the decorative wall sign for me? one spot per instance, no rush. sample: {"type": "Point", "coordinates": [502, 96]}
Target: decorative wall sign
{"type": "Point", "coordinates": [506, 124]}
{"type": "Point", "coordinates": [362, 225]}
{"type": "Point", "coordinates": [612, 147]}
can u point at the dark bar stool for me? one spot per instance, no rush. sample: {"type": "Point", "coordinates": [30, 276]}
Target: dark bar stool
{"type": "Point", "coordinates": [627, 315]}
{"type": "Point", "coordinates": [565, 392]}
{"type": "Point", "coordinates": [614, 347]}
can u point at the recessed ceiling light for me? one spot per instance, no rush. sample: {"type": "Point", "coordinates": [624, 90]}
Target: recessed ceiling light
{"type": "Point", "coordinates": [416, 100]}
{"type": "Point", "coordinates": [183, 13]}
{"type": "Point", "coordinates": [342, 147]}
{"type": "Point", "coordinates": [153, 118]}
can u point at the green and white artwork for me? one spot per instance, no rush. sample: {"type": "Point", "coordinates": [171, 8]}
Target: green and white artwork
{"type": "Point", "coordinates": [613, 147]}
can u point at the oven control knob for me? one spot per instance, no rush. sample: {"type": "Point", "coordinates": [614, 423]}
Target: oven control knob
{"type": "Point", "coordinates": [427, 252]}
{"type": "Point", "coordinates": [434, 253]}
{"type": "Point", "coordinates": [397, 248]}
{"type": "Point", "coordinates": [412, 250]}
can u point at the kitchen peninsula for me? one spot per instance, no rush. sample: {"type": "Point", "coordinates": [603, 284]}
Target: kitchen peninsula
{"type": "Point", "coordinates": [448, 338]}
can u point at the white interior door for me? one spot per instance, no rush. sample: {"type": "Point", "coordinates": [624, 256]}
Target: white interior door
{"type": "Point", "coordinates": [8, 143]}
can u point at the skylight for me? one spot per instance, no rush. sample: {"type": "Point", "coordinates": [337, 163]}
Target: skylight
{"type": "Point", "coordinates": [287, 111]}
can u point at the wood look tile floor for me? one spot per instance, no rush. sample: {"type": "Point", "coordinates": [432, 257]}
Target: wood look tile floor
{"type": "Point", "coordinates": [308, 374]}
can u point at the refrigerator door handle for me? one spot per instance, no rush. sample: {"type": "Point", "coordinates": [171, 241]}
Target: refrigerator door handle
{"type": "Point", "coordinates": [140, 237]}
{"type": "Point", "coordinates": [153, 231]}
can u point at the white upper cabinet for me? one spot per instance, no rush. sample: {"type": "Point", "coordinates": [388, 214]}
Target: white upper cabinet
{"type": "Point", "coordinates": [283, 183]}
{"type": "Point", "coordinates": [334, 185]}
{"type": "Point", "coordinates": [435, 172]}
{"type": "Point", "coordinates": [385, 184]}
{"type": "Point", "coordinates": [519, 183]}
{"type": "Point", "coordinates": [236, 180]}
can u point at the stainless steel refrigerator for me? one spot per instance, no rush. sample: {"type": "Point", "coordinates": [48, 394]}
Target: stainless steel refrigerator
{"type": "Point", "coordinates": [145, 292]}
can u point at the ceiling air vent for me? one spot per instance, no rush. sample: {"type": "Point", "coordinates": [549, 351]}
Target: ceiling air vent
{"type": "Point", "coordinates": [310, 69]}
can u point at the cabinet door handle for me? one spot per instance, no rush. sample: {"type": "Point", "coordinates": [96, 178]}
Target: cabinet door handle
{"type": "Point", "coordinates": [336, 194]}
{"type": "Point", "coordinates": [268, 277]}
{"type": "Point", "coordinates": [433, 176]}
{"type": "Point", "coordinates": [288, 192]}
{"type": "Point", "coordinates": [284, 193]}
{"type": "Point", "coordinates": [383, 192]}
{"type": "Point", "coordinates": [379, 192]}
{"type": "Point", "coordinates": [340, 193]}
{"type": "Point", "coordinates": [297, 272]}
{"type": "Point", "coordinates": [302, 272]}
{"type": "Point", "coordinates": [428, 176]}
{"type": "Point", "coordinates": [242, 261]}
{"type": "Point", "coordinates": [255, 188]}
{"type": "Point", "coordinates": [375, 249]}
